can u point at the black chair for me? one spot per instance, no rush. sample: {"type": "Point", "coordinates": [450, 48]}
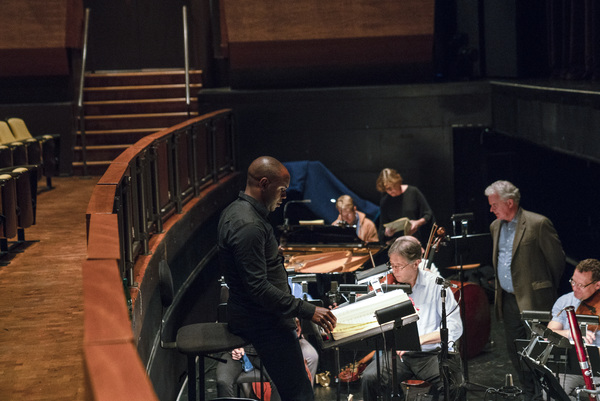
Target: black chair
{"type": "Point", "coordinates": [8, 212]}
{"type": "Point", "coordinates": [258, 375]}
{"type": "Point", "coordinates": [6, 156]}
{"type": "Point", "coordinates": [195, 340]}
{"type": "Point", "coordinates": [25, 178]}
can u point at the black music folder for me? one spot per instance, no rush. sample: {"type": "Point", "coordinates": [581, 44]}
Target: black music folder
{"type": "Point", "coordinates": [563, 360]}
{"type": "Point", "coordinates": [402, 337]}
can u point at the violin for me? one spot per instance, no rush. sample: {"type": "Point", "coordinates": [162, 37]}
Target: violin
{"type": "Point", "coordinates": [590, 306]}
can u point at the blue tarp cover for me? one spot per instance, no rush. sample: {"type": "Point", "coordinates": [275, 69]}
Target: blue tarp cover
{"type": "Point", "coordinates": [314, 181]}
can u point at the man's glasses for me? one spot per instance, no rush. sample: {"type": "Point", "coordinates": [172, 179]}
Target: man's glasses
{"type": "Point", "coordinates": [396, 267]}
{"type": "Point", "coordinates": [580, 286]}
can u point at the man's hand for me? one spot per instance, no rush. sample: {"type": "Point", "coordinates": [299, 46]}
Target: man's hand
{"type": "Point", "coordinates": [590, 336]}
{"type": "Point", "coordinates": [324, 318]}
{"type": "Point", "coordinates": [237, 354]}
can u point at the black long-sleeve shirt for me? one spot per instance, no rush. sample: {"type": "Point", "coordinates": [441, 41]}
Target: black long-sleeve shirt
{"type": "Point", "coordinates": [259, 293]}
{"type": "Point", "coordinates": [412, 204]}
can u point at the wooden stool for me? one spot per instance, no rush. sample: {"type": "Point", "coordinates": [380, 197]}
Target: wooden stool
{"type": "Point", "coordinates": [419, 386]}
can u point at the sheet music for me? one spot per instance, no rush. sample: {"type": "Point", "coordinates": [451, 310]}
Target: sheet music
{"type": "Point", "coordinates": [360, 316]}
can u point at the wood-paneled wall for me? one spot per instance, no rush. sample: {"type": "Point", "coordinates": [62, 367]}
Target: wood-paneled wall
{"type": "Point", "coordinates": [37, 35]}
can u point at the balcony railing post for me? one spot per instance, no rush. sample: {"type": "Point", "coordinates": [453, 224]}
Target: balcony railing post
{"type": "Point", "coordinates": [186, 61]}
{"type": "Point", "coordinates": [80, 108]}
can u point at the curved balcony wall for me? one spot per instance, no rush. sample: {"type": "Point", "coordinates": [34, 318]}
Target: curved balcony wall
{"type": "Point", "coordinates": [159, 200]}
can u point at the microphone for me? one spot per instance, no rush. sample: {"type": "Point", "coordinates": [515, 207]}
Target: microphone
{"type": "Point", "coordinates": [285, 219]}
{"type": "Point", "coordinates": [445, 283]}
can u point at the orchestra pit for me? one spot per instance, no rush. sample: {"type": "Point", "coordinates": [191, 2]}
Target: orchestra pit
{"type": "Point", "coordinates": [128, 128]}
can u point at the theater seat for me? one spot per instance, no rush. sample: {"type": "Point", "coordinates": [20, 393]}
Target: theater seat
{"type": "Point", "coordinates": [25, 199]}
{"type": "Point", "coordinates": [25, 187]}
{"type": "Point", "coordinates": [48, 145]}
{"type": "Point", "coordinates": [8, 212]}
{"type": "Point", "coordinates": [6, 156]}
{"type": "Point", "coordinates": [18, 149]}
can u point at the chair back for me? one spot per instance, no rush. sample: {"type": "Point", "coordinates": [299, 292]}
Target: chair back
{"type": "Point", "coordinates": [6, 135]}
{"type": "Point", "coordinates": [165, 284]}
{"type": "Point", "coordinates": [25, 199]}
{"type": "Point", "coordinates": [6, 156]}
{"type": "Point", "coordinates": [19, 129]}
{"type": "Point", "coordinates": [9, 206]}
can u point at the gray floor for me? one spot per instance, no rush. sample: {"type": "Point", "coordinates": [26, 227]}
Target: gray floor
{"type": "Point", "coordinates": [486, 373]}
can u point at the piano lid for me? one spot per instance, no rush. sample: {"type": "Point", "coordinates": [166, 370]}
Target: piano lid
{"type": "Point", "coordinates": [320, 234]}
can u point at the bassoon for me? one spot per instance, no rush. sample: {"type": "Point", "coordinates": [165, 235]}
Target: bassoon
{"type": "Point", "coordinates": [582, 355]}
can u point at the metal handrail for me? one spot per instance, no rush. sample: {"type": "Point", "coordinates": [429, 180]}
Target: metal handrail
{"type": "Point", "coordinates": [81, 82]}
{"type": "Point", "coordinates": [186, 61]}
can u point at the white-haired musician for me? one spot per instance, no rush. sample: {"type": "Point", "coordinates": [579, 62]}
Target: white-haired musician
{"type": "Point", "coordinates": [405, 256]}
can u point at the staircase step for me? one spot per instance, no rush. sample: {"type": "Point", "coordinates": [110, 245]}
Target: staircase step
{"type": "Point", "coordinates": [149, 77]}
{"type": "Point", "coordinates": [128, 121]}
{"type": "Point", "coordinates": [95, 168]}
{"type": "Point", "coordinates": [99, 153]}
{"type": "Point", "coordinates": [138, 92]}
{"type": "Point", "coordinates": [114, 137]}
{"type": "Point", "coordinates": [138, 106]}
{"type": "Point", "coordinates": [121, 107]}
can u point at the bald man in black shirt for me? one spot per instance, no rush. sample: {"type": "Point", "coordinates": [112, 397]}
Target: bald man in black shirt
{"type": "Point", "coordinates": [261, 308]}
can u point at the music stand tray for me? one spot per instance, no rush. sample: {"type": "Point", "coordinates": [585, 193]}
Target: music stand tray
{"type": "Point", "coordinates": [406, 337]}
{"type": "Point", "coordinates": [563, 360]}
{"type": "Point", "coordinates": [547, 380]}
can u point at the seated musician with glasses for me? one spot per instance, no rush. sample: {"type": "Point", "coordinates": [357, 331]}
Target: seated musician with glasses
{"type": "Point", "coordinates": [365, 228]}
{"type": "Point", "coordinates": [585, 298]}
{"type": "Point", "coordinates": [405, 256]}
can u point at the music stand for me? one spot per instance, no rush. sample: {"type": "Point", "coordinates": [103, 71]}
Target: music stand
{"type": "Point", "coordinates": [546, 379]}
{"type": "Point", "coordinates": [463, 219]}
{"type": "Point", "coordinates": [398, 325]}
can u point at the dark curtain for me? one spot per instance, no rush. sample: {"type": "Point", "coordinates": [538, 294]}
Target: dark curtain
{"type": "Point", "coordinates": [573, 29]}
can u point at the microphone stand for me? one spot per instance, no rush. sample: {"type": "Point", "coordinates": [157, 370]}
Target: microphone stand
{"type": "Point", "coordinates": [464, 219]}
{"type": "Point", "coordinates": [444, 339]}
{"type": "Point", "coordinates": [286, 221]}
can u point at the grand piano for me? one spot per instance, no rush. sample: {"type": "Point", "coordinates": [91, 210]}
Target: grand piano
{"type": "Point", "coordinates": [321, 257]}
{"type": "Point", "coordinates": [318, 248]}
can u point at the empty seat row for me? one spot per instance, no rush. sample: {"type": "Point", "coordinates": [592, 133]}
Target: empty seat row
{"type": "Point", "coordinates": [18, 148]}
{"type": "Point", "coordinates": [18, 197]}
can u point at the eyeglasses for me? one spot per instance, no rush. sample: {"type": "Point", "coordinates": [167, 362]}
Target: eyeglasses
{"type": "Point", "coordinates": [580, 286]}
{"type": "Point", "coordinates": [395, 267]}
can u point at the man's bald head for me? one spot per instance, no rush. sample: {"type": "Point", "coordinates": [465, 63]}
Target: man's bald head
{"type": "Point", "coordinates": [267, 181]}
{"type": "Point", "coordinates": [264, 166]}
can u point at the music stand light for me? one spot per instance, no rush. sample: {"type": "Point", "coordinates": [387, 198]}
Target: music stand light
{"type": "Point", "coordinates": [403, 312]}
{"type": "Point", "coordinates": [536, 316]}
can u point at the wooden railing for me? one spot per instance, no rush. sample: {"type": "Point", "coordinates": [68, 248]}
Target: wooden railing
{"type": "Point", "coordinates": [143, 191]}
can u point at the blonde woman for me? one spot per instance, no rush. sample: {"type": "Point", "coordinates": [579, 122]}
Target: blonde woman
{"type": "Point", "coordinates": [401, 200]}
